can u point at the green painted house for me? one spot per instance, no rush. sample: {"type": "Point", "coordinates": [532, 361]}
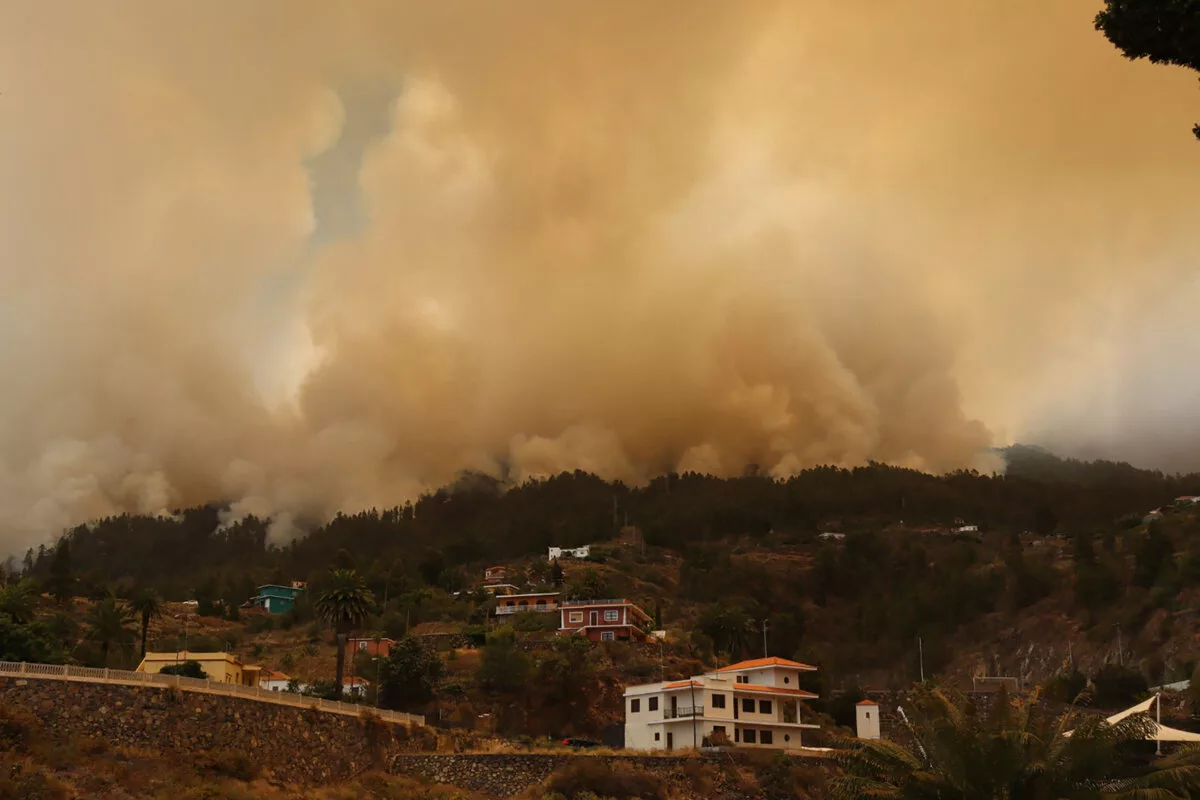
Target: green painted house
{"type": "Point", "coordinates": [277, 599]}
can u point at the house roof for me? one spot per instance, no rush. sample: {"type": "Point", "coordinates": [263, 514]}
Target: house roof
{"type": "Point", "coordinates": [683, 685]}
{"type": "Point", "coordinates": [763, 663]}
{"type": "Point", "coordinates": [866, 703]}
{"type": "Point", "coordinates": [530, 594]}
{"type": "Point", "coordinates": [355, 681]}
{"type": "Point", "coordinates": [272, 675]}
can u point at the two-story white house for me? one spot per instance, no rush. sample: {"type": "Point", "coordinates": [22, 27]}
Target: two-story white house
{"type": "Point", "coordinates": [749, 704]}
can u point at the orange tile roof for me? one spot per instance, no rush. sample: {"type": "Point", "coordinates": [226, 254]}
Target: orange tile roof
{"type": "Point", "coordinates": [752, 687]}
{"type": "Point", "coordinates": [272, 675]}
{"type": "Point", "coordinates": [866, 703]}
{"type": "Point", "coordinates": [683, 685]}
{"type": "Point", "coordinates": [765, 662]}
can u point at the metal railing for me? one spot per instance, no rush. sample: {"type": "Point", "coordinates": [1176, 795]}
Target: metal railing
{"type": "Point", "coordinates": [604, 602]}
{"type": "Point", "coordinates": [683, 711]}
{"type": "Point", "coordinates": [544, 608]}
{"type": "Point", "coordinates": [62, 672]}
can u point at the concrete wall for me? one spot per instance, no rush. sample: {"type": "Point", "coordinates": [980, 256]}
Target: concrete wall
{"type": "Point", "coordinates": [293, 744]}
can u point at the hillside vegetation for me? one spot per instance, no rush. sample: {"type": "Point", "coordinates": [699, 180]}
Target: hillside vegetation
{"type": "Point", "coordinates": [1062, 568]}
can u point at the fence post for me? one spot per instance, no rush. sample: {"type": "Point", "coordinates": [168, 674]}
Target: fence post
{"type": "Point", "coordinates": [106, 674]}
{"type": "Point", "coordinates": [22, 670]}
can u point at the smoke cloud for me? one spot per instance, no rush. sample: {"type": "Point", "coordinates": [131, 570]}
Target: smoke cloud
{"type": "Point", "coordinates": [305, 256]}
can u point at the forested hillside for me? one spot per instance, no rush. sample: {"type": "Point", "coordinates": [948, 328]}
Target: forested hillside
{"type": "Point", "coordinates": [716, 557]}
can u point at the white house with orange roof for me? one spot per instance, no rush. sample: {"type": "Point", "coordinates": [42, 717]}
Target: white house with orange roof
{"type": "Point", "coordinates": [753, 704]}
{"type": "Point", "coordinates": [866, 719]}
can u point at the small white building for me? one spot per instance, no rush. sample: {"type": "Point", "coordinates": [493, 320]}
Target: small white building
{"type": "Point", "coordinates": [867, 719]}
{"type": "Point", "coordinates": [753, 704]}
{"type": "Point", "coordinates": [569, 552]}
{"type": "Point", "coordinates": [273, 681]}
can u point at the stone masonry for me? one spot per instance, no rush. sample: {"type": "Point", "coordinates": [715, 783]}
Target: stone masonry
{"type": "Point", "coordinates": [297, 745]}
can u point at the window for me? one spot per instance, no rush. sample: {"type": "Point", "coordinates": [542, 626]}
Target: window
{"type": "Point", "coordinates": [748, 736]}
{"type": "Point", "coordinates": [607, 636]}
{"type": "Point", "coordinates": [747, 706]}
{"type": "Point", "coordinates": [718, 728]}
{"type": "Point", "coordinates": [787, 679]}
{"type": "Point", "coordinates": [635, 705]}
{"type": "Point", "coordinates": [764, 706]}
{"type": "Point", "coordinates": [612, 615]}
{"type": "Point", "coordinates": [787, 737]}
{"type": "Point", "coordinates": [653, 704]}
{"type": "Point", "coordinates": [743, 679]}
{"type": "Point", "coordinates": [737, 735]}
{"type": "Point", "coordinates": [718, 701]}
{"type": "Point", "coordinates": [868, 715]}
{"type": "Point", "coordinates": [656, 735]}
{"type": "Point", "coordinates": [766, 737]}
{"type": "Point", "coordinates": [576, 616]}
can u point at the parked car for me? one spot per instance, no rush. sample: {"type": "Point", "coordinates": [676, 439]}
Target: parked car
{"type": "Point", "coordinates": [580, 742]}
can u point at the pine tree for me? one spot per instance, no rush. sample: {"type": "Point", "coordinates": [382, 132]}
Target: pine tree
{"type": "Point", "coordinates": [62, 579]}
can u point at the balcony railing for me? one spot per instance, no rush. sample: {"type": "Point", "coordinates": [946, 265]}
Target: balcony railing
{"type": "Point", "coordinates": [545, 608]}
{"type": "Point", "coordinates": [604, 602]}
{"type": "Point", "coordinates": [683, 711]}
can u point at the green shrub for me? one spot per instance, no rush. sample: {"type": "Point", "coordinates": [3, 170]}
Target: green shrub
{"type": "Point", "coordinates": [22, 781]}
{"type": "Point", "coordinates": [590, 778]}
{"type": "Point", "coordinates": [227, 763]}
{"type": "Point", "coordinates": [19, 729]}
{"type": "Point", "coordinates": [1118, 686]}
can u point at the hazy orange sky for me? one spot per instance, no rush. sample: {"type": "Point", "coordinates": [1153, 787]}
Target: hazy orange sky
{"type": "Point", "coordinates": [305, 256]}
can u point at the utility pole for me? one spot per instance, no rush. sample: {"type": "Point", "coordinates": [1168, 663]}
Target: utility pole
{"type": "Point", "coordinates": [921, 657]}
{"type": "Point", "coordinates": [765, 655]}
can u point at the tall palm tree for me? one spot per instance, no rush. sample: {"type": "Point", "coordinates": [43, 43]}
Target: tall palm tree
{"type": "Point", "coordinates": [110, 623]}
{"type": "Point", "coordinates": [148, 604]}
{"type": "Point", "coordinates": [17, 600]}
{"type": "Point", "coordinates": [345, 605]}
{"type": "Point", "coordinates": [1018, 751]}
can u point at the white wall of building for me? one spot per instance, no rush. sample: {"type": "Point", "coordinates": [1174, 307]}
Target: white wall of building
{"type": "Point", "coordinates": [867, 720]}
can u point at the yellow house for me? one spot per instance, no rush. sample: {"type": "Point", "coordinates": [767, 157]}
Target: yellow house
{"type": "Point", "coordinates": [222, 667]}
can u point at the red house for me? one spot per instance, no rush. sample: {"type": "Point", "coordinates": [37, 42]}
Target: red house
{"type": "Point", "coordinates": [375, 647]}
{"type": "Point", "coordinates": [605, 620]}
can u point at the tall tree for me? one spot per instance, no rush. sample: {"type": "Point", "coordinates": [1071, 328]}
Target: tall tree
{"type": "Point", "coordinates": [1163, 31]}
{"type": "Point", "coordinates": [62, 578]}
{"type": "Point", "coordinates": [147, 604]}
{"type": "Point", "coordinates": [345, 605]}
{"type": "Point", "coordinates": [408, 676]}
{"type": "Point", "coordinates": [109, 624]}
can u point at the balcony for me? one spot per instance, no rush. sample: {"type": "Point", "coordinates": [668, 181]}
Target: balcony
{"type": "Point", "coordinates": [683, 712]}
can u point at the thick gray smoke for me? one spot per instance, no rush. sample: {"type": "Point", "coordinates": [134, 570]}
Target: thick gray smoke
{"type": "Point", "coordinates": [624, 237]}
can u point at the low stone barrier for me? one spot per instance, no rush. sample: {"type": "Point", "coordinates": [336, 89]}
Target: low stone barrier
{"type": "Point", "coordinates": [510, 774]}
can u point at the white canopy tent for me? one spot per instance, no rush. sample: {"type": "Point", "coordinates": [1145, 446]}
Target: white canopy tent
{"type": "Point", "coordinates": [1161, 733]}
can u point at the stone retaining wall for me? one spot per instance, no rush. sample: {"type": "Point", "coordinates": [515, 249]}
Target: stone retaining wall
{"type": "Point", "coordinates": [510, 774]}
{"type": "Point", "coordinates": [292, 744]}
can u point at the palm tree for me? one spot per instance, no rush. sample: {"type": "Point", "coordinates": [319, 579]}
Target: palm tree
{"type": "Point", "coordinates": [148, 604]}
{"type": "Point", "coordinates": [1018, 751]}
{"type": "Point", "coordinates": [109, 623]}
{"type": "Point", "coordinates": [344, 605]}
{"type": "Point", "coordinates": [17, 601]}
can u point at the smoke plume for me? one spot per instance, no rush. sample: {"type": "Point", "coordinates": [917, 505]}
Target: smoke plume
{"type": "Point", "coordinates": [307, 256]}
